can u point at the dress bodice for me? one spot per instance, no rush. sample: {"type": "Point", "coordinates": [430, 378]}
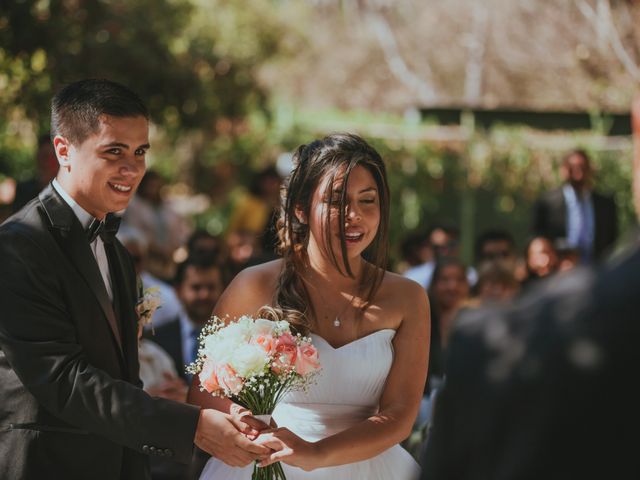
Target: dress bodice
{"type": "Point", "coordinates": [347, 390]}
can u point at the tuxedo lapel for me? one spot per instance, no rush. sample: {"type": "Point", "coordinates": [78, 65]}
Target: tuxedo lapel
{"type": "Point", "coordinates": [72, 240]}
{"type": "Point", "coordinates": [124, 306]}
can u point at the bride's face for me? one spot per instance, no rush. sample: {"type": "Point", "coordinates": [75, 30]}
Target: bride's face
{"type": "Point", "coordinates": [361, 217]}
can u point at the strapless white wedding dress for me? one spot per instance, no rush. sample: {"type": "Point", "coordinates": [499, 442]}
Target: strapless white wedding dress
{"type": "Point", "coordinates": [347, 391]}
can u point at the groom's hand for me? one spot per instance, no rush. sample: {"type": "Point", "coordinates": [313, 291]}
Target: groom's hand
{"type": "Point", "coordinates": [221, 436]}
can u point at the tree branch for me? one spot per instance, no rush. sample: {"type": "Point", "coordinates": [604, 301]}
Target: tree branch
{"type": "Point", "coordinates": [475, 62]}
{"type": "Point", "coordinates": [386, 38]}
{"type": "Point", "coordinates": [604, 17]}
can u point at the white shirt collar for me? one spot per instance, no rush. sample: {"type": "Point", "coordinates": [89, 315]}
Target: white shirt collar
{"type": "Point", "coordinates": [84, 217]}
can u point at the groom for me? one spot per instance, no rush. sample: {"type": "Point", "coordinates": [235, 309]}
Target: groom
{"type": "Point", "coordinates": [71, 405]}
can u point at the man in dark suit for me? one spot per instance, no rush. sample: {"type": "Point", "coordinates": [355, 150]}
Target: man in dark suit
{"type": "Point", "coordinates": [71, 405]}
{"type": "Point", "coordinates": [198, 284]}
{"type": "Point", "coordinates": [575, 214]}
{"type": "Point", "coordinates": [546, 389]}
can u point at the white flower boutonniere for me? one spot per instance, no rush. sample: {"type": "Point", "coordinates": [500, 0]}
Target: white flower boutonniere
{"type": "Point", "coordinates": [147, 305]}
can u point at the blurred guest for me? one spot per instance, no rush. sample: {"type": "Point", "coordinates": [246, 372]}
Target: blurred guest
{"type": "Point", "coordinates": [445, 242]}
{"type": "Point", "coordinates": [495, 246]}
{"type": "Point", "coordinates": [496, 283]}
{"type": "Point", "coordinates": [568, 256]}
{"type": "Point", "coordinates": [198, 285]}
{"type": "Point", "coordinates": [586, 219]}
{"type": "Point", "coordinates": [202, 242]}
{"type": "Point", "coordinates": [544, 389]}
{"type": "Point", "coordinates": [137, 247]}
{"type": "Point", "coordinates": [415, 250]}
{"type": "Point", "coordinates": [163, 229]}
{"type": "Point", "coordinates": [448, 293]}
{"type": "Point", "coordinates": [7, 195]}
{"type": "Point", "coordinates": [158, 372]}
{"type": "Point", "coordinates": [242, 251]}
{"type": "Point", "coordinates": [541, 259]}
{"type": "Point", "coordinates": [46, 169]}
{"type": "Point", "coordinates": [256, 211]}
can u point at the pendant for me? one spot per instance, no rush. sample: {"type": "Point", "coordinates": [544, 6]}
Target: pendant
{"type": "Point", "coordinates": [337, 322]}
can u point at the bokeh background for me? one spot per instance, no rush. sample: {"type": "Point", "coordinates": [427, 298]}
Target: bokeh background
{"type": "Point", "coordinates": [472, 104]}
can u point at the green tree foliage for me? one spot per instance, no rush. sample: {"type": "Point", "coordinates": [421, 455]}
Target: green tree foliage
{"type": "Point", "coordinates": [189, 72]}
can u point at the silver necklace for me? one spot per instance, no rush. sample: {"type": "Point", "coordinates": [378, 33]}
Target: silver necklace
{"type": "Point", "coordinates": [336, 321]}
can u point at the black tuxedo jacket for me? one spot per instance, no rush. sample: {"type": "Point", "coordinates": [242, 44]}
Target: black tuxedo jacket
{"type": "Point", "coordinates": [70, 402]}
{"type": "Point", "coordinates": [550, 219]}
{"type": "Point", "coordinates": [547, 388]}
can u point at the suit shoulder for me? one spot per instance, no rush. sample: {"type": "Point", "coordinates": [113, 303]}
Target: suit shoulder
{"type": "Point", "coordinates": [24, 230]}
{"type": "Point", "coordinates": [552, 196]}
{"type": "Point", "coordinates": [603, 197]}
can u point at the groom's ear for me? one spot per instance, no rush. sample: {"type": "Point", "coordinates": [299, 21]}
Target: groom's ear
{"type": "Point", "coordinates": [62, 147]}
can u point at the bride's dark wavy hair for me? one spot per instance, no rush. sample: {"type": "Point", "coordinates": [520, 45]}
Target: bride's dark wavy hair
{"type": "Point", "coordinates": [333, 157]}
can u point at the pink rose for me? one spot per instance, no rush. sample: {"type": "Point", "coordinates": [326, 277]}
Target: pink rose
{"type": "Point", "coordinates": [267, 342]}
{"type": "Point", "coordinates": [208, 377]}
{"type": "Point", "coordinates": [286, 339]}
{"type": "Point", "coordinates": [228, 379]}
{"type": "Point", "coordinates": [307, 359]}
{"type": "Point", "coordinates": [285, 353]}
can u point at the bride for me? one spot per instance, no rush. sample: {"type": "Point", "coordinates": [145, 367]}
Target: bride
{"type": "Point", "coordinates": [371, 327]}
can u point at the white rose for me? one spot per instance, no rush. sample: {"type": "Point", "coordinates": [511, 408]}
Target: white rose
{"type": "Point", "coordinates": [239, 331]}
{"type": "Point", "coordinates": [218, 348]}
{"type": "Point", "coordinates": [263, 327]}
{"type": "Point", "coordinates": [249, 360]}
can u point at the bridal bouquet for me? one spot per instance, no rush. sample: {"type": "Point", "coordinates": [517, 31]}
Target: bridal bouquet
{"type": "Point", "coordinates": [255, 362]}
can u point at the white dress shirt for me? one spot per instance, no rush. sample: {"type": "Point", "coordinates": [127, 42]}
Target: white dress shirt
{"type": "Point", "coordinates": [97, 246]}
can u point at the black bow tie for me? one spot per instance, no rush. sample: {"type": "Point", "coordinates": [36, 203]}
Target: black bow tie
{"type": "Point", "coordinates": [106, 228]}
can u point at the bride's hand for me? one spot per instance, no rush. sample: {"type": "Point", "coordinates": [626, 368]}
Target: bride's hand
{"type": "Point", "coordinates": [290, 449]}
{"type": "Point", "coordinates": [254, 426]}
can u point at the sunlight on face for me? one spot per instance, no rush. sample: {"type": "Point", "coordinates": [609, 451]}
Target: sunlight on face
{"type": "Point", "coordinates": [103, 172]}
{"type": "Point", "coordinates": [362, 213]}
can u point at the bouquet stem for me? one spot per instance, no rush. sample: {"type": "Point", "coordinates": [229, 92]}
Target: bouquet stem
{"type": "Point", "coordinates": [271, 472]}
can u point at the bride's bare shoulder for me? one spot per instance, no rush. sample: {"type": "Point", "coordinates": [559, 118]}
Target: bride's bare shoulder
{"type": "Point", "coordinates": [250, 290]}
{"type": "Point", "coordinates": [396, 284]}
{"type": "Point", "coordinates": [264, 275]}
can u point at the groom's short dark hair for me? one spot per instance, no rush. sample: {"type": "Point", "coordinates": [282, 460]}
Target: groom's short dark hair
{"type": "Point", "coordinates": [76, 109]}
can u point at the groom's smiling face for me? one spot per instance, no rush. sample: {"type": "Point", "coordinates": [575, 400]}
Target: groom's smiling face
{"type": "Point", "coordinates": [103, 171]}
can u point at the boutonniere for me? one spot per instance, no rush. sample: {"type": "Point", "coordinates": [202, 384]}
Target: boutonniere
{"type": "Point", "coordinates": [148, 302]}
